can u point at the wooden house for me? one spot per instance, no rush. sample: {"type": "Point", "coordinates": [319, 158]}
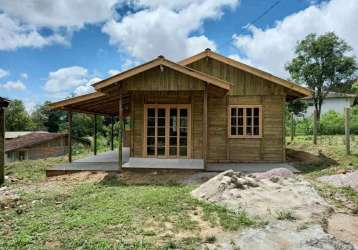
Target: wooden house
{"type": "Point", "coordinates": [206, 108]}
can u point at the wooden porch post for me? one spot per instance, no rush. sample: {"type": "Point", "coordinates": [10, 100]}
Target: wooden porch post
{"type": "Point", "coordinates": [205, 125]}
{"type": "Point", "coordinates": [2, 145]}
{"type": "Point", "coordinates": [120, 134]}
{"type": "Point", "coordinates": [112, 132]}
{"type": "Point", "coordinates": [69, 136]}
{"type": "Point", "coordinates": [95, 134]}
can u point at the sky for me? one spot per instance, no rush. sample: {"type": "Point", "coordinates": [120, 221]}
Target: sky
{"type": "Point", "coordinates": [50, 50]}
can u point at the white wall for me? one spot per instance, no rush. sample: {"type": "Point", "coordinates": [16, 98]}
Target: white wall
{"type": "Point", "coordinates": [335, 104]}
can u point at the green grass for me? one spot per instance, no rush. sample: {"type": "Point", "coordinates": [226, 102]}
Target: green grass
{"type": "Point", "coordinates": [330, 155]}
{"type": "Point", "coordinates": [108, 215]}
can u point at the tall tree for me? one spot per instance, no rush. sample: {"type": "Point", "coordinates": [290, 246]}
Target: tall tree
{"type": "Point", "coordinates": [48, 119]}
{"type": "Point", "coordinates": [322, 63]}
{"type": "Point", "coordinates": [17, 118]}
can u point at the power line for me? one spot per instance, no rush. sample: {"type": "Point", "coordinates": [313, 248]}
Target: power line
{"type": "Point", "coordinates": [254, 21]}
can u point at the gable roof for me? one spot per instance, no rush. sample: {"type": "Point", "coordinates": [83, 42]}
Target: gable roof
{"type": "Point", "coordinates": [260, 73]}
{"type": "Point", "coordinates": [161, 61]}
{"type": "Point", "coordinates": [29, 140]}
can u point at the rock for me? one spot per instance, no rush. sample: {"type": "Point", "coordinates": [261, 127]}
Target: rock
{"type": "Point", "coordinates": [342, 180]}
{"type": "Point", "coordinates": [277, 172]}
{"type": "Point", "coordinates": [274, 179]}
{"type": "Point", "coordinates": [284, 235]}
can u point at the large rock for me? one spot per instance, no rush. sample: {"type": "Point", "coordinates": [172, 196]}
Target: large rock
{"type": "Point", "coordinates": [266, 197]}
{"type": "Point", "coordinates": [342, 180]}
{"type": "Point", "coordinates": [282, 235]}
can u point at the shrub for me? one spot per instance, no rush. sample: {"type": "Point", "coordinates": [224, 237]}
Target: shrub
{"type": "Point", "coordinates": [332, 123]}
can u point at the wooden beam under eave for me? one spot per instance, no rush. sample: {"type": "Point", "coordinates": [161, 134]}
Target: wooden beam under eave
{"type": "Point", "coordinates": [112, 133]}
{"type": "Point", "coordinates": [205, 125]}
{"type": "Point", "coordinates": [2, 145]}
{"type": "Point", "coordinates": [120, 134]}
{"type": "Point", "coordinates": [95, 134]}
{"type": "Point", "coordinates": [69, 136]}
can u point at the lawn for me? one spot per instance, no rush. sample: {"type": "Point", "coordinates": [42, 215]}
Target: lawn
{"type": "Point", "coordinates": [107, 214]}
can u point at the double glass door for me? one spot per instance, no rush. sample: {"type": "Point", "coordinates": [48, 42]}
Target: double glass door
{"type": "Point", "coordinates": [167, 131]}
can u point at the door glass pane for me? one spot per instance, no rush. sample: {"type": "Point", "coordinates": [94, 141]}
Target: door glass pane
{"type": "Point", "coordinates": [150, 141]}
{"type": "Point", "coordinates": [183, 151]}
{"type": "Point", "coordinates": [161, 131]}
{"type": "Point", "coordinates": [248, 112]}
{"type": "Point", "coordinates": [161, 122]}
{"type": "Point", "coordinates": [150, 131]}
{"type": "Point", "coordinates": [161, 112]}
{"type": "Point", "coordinates": [173, 151]}
{"type": "Point", "coordinates": [151, 122]}
{"type": "Point", "coordinates": [161, 141]}
{"type": "Point", "coordinates": [150, 151]}
{"type": "Point", "coordinates": [173, 141]}
{"type": "Point", "coordinates": [151, 112]}
{"type": "Point", "coordinates": [183, 132]}
{"type": "Point", "coordinates": [256, 131]}
{"type": "Point", "coordinates": [183, 141]}
{"type": "Point", "coordinates": [161, 151]}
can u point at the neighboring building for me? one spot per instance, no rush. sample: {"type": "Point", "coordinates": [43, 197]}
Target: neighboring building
{"type": "Point", "coordinates": [36, 145]}
{"type": "Point", "coordinates": [334, 101]}
{"type": "Point", "coordinates": [207, 108]}
{"type": "Point", "coordinates": [9, 135]}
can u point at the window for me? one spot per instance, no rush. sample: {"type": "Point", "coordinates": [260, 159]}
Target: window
{"type": "Point", "coordinates": [245, 121]}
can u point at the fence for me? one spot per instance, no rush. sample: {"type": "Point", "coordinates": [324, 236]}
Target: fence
{"type": "Point", "coordinates": [331, 123]}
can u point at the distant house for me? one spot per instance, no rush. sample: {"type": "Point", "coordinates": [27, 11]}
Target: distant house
{"type": "Point", "coordinates": [9, 135]}
{"type": "Point", "coordinates": [35, 145]}
{"type": "Point", "coordinates": [334, 101]}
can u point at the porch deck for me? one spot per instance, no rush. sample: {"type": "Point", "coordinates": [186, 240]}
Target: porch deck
{"type": "Point", "coordinates": [108, 162]}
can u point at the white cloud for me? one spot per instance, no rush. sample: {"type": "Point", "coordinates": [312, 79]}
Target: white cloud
{"type": "Point", "coordinates": [22, 21]}
{"type": "Point", "coordinates": [24, 76]}
{"type": "Point", "coordinates": [65, 78]}
{"type": "Point", "coordinates": [14, 34]}
{"type": "Point", "coordinates": [55, 14]}
{"type": "Point", "coordinates": [112, 72]}
{"type": "Point", "coordinates": [13, 85]}
{"type": "Point", "coordinates": [165, 27]}
{"type": "Point", "coordinates": [273, 47]}
{"type": "Point", "coordinates": [87, 88]}
{"type": "Point", "coordinates": [3, 73]}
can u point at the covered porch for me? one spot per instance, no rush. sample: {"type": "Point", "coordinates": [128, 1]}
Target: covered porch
{"type": "Point", "coordinates": [108, 162]}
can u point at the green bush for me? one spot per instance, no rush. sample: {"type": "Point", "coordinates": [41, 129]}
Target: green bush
{"type": "Point", "coordinates": [332, 123]}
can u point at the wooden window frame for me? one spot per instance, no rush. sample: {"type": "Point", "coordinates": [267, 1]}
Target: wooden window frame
{"type": "Point", "coordinates": [167, 107]}
{"type": "Point", "coordinates": [245, 107]}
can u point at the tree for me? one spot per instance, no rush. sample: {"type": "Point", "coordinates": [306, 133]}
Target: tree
{"type": "Point", "coordinates": [322, 64]}
{"type": "Point", "coordinates": [48, 119]}
{"type": "Point", "coordinates": [16, 117]}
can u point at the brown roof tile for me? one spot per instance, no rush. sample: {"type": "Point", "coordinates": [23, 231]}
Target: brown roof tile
{"type": "Point", "coordinates": [29, 140]}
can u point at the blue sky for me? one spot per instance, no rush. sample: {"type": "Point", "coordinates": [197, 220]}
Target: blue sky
{"type": "Point", "coordinates": [50, 51]}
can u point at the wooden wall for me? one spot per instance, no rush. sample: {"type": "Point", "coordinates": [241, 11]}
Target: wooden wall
{"type": "Point", "coordinates": [247, 90]}
{"type": "Point", "coordinates": [166, 80]}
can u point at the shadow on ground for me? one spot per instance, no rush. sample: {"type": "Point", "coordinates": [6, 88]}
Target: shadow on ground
{"type": "Point", "coordinates": [307, 162]}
